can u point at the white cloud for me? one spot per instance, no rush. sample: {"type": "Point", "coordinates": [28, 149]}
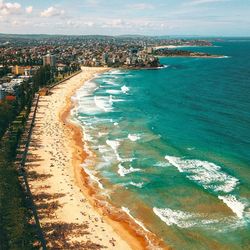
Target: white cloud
{"type": "Point", "coordinates": [9, 8]}
{"type": "Point", "coordinates": [139, 25]}
{"type": "Point", "coordinates": [200, 2]}
{"type": "Point", "coordinates": [113, 23]}
{"type": "Point", "coordinates": [72, 24]}
{"type": "Point", "coordinates": [51, 12]}
{"type": "Point", "coordinates": [92, 2]}
{"type": "Point", "coordinates": [142, 6]}
{"type": "Point", "coordinates": [41, 24]}
{"type": "Point", "coordinates": [29, 9]}
{"type": "Point", "coordinates": [79, 23]}
{"type": "Point", "coordinates": [88, 24]}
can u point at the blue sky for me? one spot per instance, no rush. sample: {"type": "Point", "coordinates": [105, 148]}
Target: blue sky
{"type": "Point", "coordinates": [114, 17]}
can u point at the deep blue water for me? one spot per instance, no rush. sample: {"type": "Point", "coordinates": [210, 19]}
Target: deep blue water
{"type": "Point", "coordinates": [172, 146]}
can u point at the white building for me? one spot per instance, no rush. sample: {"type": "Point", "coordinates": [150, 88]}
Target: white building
{"type": "Point", "coordinates": [2, 92]}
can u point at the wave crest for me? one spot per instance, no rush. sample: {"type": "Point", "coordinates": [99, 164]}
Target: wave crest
{"type": "Point", "coordinates": [207, 174]}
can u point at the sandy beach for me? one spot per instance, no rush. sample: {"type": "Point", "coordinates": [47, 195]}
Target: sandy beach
{"type": "Point", "coordinates": [67, 217]}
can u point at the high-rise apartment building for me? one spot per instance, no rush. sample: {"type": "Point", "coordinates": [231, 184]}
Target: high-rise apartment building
{"type": "Point", "coordinates": [49, 60]}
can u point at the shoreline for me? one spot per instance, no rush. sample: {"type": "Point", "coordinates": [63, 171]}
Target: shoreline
{"type": "Point", "coordinates": [67, 219]}
{"type": "Point", "coordinates": [121, 222]}
{"type": "Point", "coordinates": [180, 46]}
{"type": "Point", "coordinates": [70, 214]}
{"type": "Point", "coordinates": [81, 177]}
{"type": "Point", "coordinates": [194, 56]}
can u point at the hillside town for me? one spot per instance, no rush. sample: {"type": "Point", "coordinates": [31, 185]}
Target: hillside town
{"type": "Point", "coordinates": [22, 56]}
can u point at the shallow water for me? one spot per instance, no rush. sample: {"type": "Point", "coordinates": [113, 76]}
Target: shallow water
{"type": "Point", "coordinates": [172, 145]}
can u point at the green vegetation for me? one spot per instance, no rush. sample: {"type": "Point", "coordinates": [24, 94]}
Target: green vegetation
{"type": "Point", "coordinates": [16, 231]}
{"type": "Point", "coordinates": [10, 109]}
{"type": "Point", "coordinates": [4, 71]}
{"type": "Point", "coordinates": [43, 77]}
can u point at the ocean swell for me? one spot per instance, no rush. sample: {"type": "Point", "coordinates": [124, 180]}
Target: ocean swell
{"type": "Point", "coordinates": [207, 174]}
{"type": "Point", "coordinates": [211, 177]}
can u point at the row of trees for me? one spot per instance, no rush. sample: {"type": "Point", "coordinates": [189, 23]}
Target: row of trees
{"type": "Point", "coordinates": [15, 214]}
{"type": "Point", "coordinates": [4, 71]}
{"type": "Point", "coordinates": [16, 231]}
{"type": "Point", "coordinates": [47, 75]}
{"type": "Point", "coordinates": [44, 76]}
{"type": "Point", "coordinates": [10, 109]}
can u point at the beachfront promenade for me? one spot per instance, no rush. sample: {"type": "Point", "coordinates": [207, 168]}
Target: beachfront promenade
{"type": "Point", "coordinates": [20, 165]}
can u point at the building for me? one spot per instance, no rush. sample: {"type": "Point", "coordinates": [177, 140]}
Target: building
{"type": "Point", "coordinates": [105, 58]}
{"type": "Point", "coordinates": [150, 50]}
{"type": "Point", "coordinates": [17, 70]}
{"type": "Point", "coordinates": [21, 70]}
{"type": "Point", "coordinates": [49, 60]}
{"type": "Point", "coordinates": [2, 92]}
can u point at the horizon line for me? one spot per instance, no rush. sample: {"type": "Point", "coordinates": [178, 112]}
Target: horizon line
{"type": "Point", "coordinates": [164, 35]}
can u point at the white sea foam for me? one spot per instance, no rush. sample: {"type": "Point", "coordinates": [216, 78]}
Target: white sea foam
{"type": "Point", "coordinates": [190, 149]}
{"type": "Point", "coordinates": [162, 164]}
{"type": "Point", "coordinates": [171, 217]}
{"type": "Point", "coordinates": [182, 219]}
{"type": "Point", "coordinates": [100, 165]}
{"type": "Point", "coordinates": [103, 149]}
{"type": "Point", "coordinates": [86, 89]}
{"type": "Point", "coordinates": [88, 137]}
{"type": "Point", "coordinates": [114, 144]}
{"type": "Point", "coordinates": [92, 176]}
{"type": "Point", "coordinates": [122, 171]}
{"type": "Point", "coordinates": [207, 174]}
{"type": "Point", "coordinates": [235, 205]}
{"type": "Point", "coordinates": [110, 99]}
{"type": "Point", "coordinates": [127, 211]}
{"type": "Point", "coordinates": [113, 91]}
{"type": "Point", "coordinates": [116, 123]}
{"type": "Point", "coordinates": [106, 153]}
{"type": "Point", "coordinates": [110, 82]}
{"type": "Point", "coordinates": [223, 57]}
{"type": "Point", "coordinates": [133, 137]}
{"type": "Point", "coordinates": [125, 89]}
{"type": "Point", "coordinates": [163, 67]}
{"type": "Point", "coordinates": [103, 102]}
{"type": "Point", "coordinates": [100, 134]}
{"type": "Point", "coordinates": [211, 177]}
{"type": "Point", "coordinates": [93, 121]}
{"type": "Point", "coordinates": [87, 106]}
{"type": "Point", "coordinates": [116, 72]}
{"type": "Point", "coordinates": [113, 99]}
{"type": "Point", "coordinates": [136, 184]}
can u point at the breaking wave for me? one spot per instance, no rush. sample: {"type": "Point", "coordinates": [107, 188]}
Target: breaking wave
{"type": "Point", "coordinates": [122, 171]}
{"type": "Point", "coordinates": [207, 174]}
{"type": "Point", "coordinates": [133, 137]}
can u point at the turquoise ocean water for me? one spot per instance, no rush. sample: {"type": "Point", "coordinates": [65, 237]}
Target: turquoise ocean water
{"type": "Point", "coordinates": [171, 147]}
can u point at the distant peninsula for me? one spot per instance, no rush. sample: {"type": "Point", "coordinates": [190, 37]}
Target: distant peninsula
{"type": "Point", "coordinates": [165, 52]}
